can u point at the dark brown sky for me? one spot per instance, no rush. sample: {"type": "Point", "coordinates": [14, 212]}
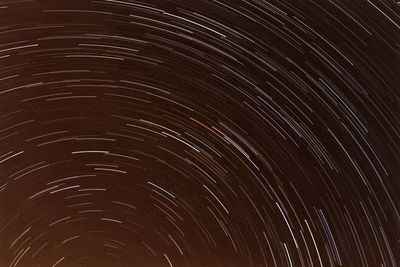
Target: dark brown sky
{"type": "Point", "coordinates": [199, 133]}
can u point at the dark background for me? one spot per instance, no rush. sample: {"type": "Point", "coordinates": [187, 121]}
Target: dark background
{"type": "Point", "coordinates": [199, 133]}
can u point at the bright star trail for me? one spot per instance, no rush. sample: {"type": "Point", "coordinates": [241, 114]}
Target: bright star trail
{"type": "Point", "coordinates": [168, 133]}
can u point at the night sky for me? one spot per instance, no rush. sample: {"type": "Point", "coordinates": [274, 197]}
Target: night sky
{"type": "Point", "coordinates": [168, 133]}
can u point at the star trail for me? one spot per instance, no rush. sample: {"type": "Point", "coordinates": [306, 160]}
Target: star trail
{"type": "Point", "coordinates": [199, 133]}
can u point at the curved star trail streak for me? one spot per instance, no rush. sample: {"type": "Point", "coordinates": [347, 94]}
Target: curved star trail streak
{"type": "Point", "coordinates": [199, 133]}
